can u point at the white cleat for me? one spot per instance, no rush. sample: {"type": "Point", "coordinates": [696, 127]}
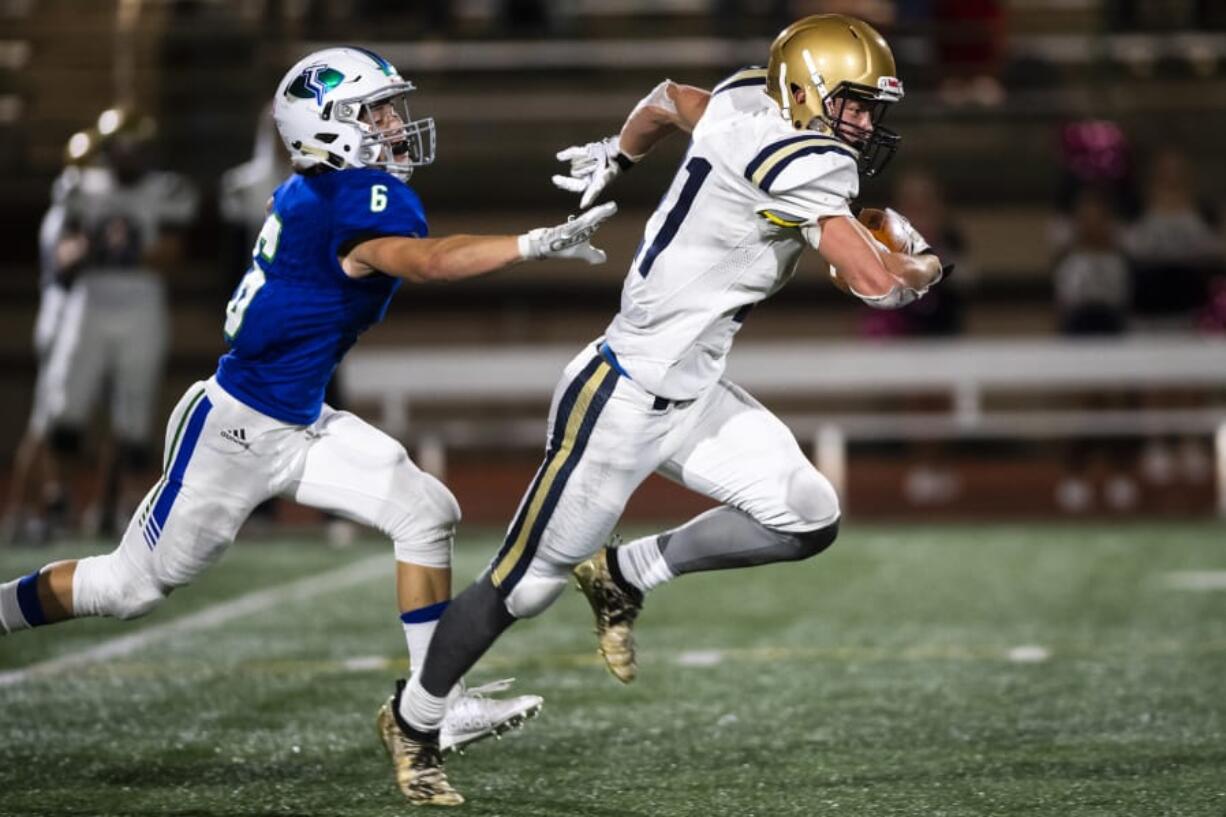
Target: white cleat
{"type": "Point", "coordinates": [472, 716]}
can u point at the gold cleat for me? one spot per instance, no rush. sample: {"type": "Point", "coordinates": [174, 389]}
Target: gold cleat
{"type": "Point", "coordinates": [418, 764]}
{"type": "Point", "coordinates": [615, 609]}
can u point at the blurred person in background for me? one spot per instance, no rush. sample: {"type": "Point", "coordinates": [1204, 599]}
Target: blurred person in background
{"type": "Point", "coordinates": [970, 49]}
{"type": "Point", "coordinates": [37, 503]}
{"type": "Point", "coordinates": [1173, 243]}
{"type": "Point", "coordinates": [1095, 154]}
{"type": "Point", "coordinates": [244, 192]}
{"type": "Point", "coordinates": [112, 245]}
{"type": "Point", "coordinates": [930, 480]}
{"type": "Point", "coordinates": [1176, 251]}
{"type": "Point", "coordinates": [1093, 296]}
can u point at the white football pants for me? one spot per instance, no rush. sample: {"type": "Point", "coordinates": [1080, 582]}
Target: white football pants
{"type": "Point", "coordinates": [606, 434]}
{"type": "Point", "coordinates": [222, 459]}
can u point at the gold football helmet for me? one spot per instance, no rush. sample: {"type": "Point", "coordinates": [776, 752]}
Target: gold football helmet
{"type": "Point", "coordinates": [818, 64]}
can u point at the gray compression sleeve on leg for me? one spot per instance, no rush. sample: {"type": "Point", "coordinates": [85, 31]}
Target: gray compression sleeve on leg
{"type": "Point", "coordinates": [471, 624]}
{"type": "Point", "coordinates": [726, 538]}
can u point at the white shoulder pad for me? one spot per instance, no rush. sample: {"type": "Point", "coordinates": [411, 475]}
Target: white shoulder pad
{"type": "Point", "coordinates": [658, 98]}
{"type": "Point", "coordinates": [809, 176]}
{"type": "Point", "coordinates": [740, 95]}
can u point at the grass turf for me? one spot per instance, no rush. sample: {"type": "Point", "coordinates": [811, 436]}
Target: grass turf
{"type": "Point", "coordinates": [874, 680]}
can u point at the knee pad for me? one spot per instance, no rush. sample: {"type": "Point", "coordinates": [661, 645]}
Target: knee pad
{"type": "Point", "coordinates": [110, 586]}
{"type": "Point", "coordinates": [533, 594]}
{"type": "Point", "coordinates": [65, 440]}
{"type": "Point", "coordinates": [810, 543]}
{"type": "Point", "coordinates": [423, 529]}
{"type": "Point", "coordinates": [811, 500]}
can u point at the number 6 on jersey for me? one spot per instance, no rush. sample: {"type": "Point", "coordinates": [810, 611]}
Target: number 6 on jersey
{"type": "Point", "coordinates": [237, 307]}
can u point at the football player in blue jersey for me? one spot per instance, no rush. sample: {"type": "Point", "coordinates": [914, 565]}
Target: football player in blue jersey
{"type": "Point", "coordinates": [341, 236]}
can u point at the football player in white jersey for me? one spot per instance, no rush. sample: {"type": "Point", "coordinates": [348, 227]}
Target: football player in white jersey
{"type": "Point", "coordinates": [773, 167]}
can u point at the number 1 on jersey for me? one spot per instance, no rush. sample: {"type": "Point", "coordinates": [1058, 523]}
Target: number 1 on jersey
{"type": "Point", "coordinates": [697, 168]}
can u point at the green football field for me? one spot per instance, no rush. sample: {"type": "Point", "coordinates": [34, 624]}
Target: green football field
{"type": "Point", "coordinates": [917, 670]}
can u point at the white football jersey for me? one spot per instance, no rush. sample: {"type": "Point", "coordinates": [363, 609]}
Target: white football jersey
{"type": "Point", "coordinates": [725, 236]}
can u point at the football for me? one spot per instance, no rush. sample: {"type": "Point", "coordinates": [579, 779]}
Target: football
{"type": "Point", "coordinates": [887, 227]}
{"type": "Point", "coordinates": [884, 226]}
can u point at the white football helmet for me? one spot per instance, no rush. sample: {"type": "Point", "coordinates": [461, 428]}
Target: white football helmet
{"type": "Point", "coordinates": [348, 107]}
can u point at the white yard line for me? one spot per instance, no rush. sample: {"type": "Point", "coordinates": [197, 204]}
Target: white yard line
{"type": "Point", "coordinates": [1196, 579]}
{"type": "Point", "coordinates": [212, 616]}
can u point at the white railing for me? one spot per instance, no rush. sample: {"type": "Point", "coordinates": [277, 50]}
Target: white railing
{"type": "Point", "coordinates": [967, 371]}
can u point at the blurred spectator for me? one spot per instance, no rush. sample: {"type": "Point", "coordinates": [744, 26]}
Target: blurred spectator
{"type": "Point", "coordinates": [245, 191]}
{"type": "Point", "coordinates": [1093, 298]}
{"type": "Point", "coordinates": [1095, 153]}
{"type": "Point", "coordinates": [1092, 279]}
{"type": "Point", "coordinates": [931, 479]}
{"type": "Point", "coordinates": [970, 43]}
{"type": "Point", "coordinates": [1173, 244]}
{"type": "Point", "coordinates": [37, 500]}
{"type": "Point", "coordinates": [108, 248]}
{"type": "Point", "coordinates": [1176, 252]}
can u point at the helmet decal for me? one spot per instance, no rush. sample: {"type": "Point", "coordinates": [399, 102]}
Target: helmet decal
{"type": "Point", "coordinates": [383, 65]}
{"type": "Point", "coordinates": [314, 82]}
{"type": "Point", "coordinates": [348, 107]}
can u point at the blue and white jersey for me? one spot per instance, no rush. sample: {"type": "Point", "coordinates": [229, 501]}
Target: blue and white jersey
{"type": "Point", "coordinates": [295, 313]}
{"type": "Point", "coordinates": [726, 235]}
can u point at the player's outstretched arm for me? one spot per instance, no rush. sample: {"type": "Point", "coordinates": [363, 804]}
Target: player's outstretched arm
{"type": "Point", "coordinates": [869, 269]}
{"type": "Point", "coordinates": [669, 108]}
{"type": "Point", "coordinates": [456, 257]}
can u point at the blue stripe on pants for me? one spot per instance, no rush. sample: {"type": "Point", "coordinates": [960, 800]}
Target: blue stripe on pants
{"type": "Point", "coordinates": [174, 480]}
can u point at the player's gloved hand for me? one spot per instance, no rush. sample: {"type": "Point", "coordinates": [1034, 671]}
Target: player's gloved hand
{"type": "Point", "coordinates": [570, 240]}
{"type": "Point", "coordinates": [592, 167]}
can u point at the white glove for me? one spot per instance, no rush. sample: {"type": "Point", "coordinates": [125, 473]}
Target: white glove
{"type": "Point", "coordinates": [592, 167]}
{"type": "Point", "coordinates": [569, 240]}
{"type": "Point", "coordinates": [916, 243]}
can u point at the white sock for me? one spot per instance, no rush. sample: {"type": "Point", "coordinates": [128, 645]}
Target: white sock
{"type": "Point", "coordinates": [419, 627]}
{"type": "Point", "coordinates": [642, 564]}
{"type": "Point", "coordinates": [420, 709]}
{"type": "Point", "coordinates": [12, 595]}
